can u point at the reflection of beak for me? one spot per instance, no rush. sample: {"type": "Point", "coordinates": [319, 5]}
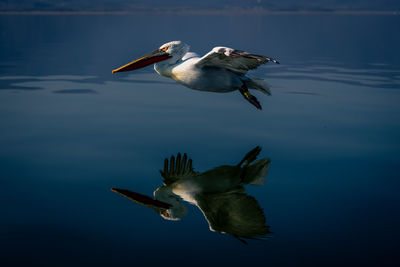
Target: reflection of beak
{"type": "Point", "coordinates": [149, 59]}
{"type": "Point", "coordinates": [142, 199]}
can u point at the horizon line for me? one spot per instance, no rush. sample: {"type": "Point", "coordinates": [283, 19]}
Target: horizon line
{"type": "Point", "coordinates": [206, 12]}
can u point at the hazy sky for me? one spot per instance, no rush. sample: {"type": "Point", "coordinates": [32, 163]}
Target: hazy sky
{"type": "Point", "coordinates": [110, 5]}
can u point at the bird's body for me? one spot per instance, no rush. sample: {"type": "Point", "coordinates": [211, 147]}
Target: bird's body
{"type": "Point", "coordinates": [187, 73]}
{"type": "Point", "coordinates": [221, 179]}
{"type": "Point", "coordinates": [219, 193]}
{"type": "Point", "coordinates": [223, 69]}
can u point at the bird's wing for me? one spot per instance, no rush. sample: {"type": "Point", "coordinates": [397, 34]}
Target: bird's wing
{"type": "Point", "coordinates": [234, 60]}
{"type": "Point", "coordinates": [235, 213]}
{"type": "Point", "coordinates": [178, 169]}
{"type": "Point", "coordinates": [189, 55]}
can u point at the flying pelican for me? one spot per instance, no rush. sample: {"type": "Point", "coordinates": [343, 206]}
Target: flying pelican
{"type": "Point", "coordinates": [223, 69]}
{"type": "Point", "coordinates": [218, 193]}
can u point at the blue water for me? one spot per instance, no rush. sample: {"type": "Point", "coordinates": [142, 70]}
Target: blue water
{"type": "Point", "coordinates": [70, 131]}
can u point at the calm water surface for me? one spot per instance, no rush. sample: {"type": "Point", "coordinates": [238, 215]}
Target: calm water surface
{"type": "Point", "coordinates": [70, 131]}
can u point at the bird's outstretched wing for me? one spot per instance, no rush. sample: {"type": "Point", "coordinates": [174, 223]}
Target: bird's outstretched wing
{"type": "Point", "coordinates": [234, 60]}
{"type": "Point", "coordinates": [179, 168]}
{"type": "Point", "coordinates": [234, 213]}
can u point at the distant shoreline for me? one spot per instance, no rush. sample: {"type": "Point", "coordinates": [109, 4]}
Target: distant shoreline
{"type": "Point", "coordinates": [209, 12]}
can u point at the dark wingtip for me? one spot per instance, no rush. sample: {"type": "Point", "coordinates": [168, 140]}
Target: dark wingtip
{"type": "Point", "coordinates": [268, 59]}
{"type": "Point", "coordinates": [275, 61]}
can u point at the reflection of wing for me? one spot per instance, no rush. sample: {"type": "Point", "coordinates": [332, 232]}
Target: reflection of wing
{"type": "Point", "coordinates": [177, 170]}
{"type": "Point", "coordinates": [231, 59]}
{"type": "Point", "coordinates": [234, 213]}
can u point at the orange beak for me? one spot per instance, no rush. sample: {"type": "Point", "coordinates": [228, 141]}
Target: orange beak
{"type": "Point", "coordinates": [142, 199]}
{"type": "Point", "coordinates": [153, 57]}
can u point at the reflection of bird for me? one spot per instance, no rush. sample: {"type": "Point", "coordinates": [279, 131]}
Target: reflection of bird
{"type": "Point", "coordinates": [218, 193]}
{"type": "Point", "coordinates": [222, 69]}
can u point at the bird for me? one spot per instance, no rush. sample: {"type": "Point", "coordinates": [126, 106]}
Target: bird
{"type": "Point", "coordinates": [219, 193]}
{"type": "Point", "coordinates": [223, 69]}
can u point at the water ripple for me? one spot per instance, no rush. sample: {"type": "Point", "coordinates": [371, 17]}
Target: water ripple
{"type": "Point", "coordinates": [383, 78]}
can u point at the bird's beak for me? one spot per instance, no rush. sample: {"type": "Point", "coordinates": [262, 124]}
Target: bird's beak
{"type": "Point", "coordinates": [153, 57]}
{"type": "Point", "coordinates": [142, 199]}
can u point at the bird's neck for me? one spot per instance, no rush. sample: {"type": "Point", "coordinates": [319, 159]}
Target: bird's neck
{"type": "Point", "coordinates": [164, 68]}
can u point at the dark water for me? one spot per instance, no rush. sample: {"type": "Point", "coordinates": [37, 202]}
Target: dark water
{"type": "Point", "coordinates": [70, 131]}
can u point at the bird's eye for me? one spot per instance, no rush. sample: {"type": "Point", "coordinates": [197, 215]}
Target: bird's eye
{"type": "Point", "coordinates": [165, 213]}
{"type": "Point", "coordinates": [165, 48]}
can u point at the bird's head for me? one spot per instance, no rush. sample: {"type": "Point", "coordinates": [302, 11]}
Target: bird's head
{"type": "Point", "coordinates": [177, 210]}
{"type": "Point", "coordinates": [171, 51]}
{"type": "Point", "coordinates": [176, 49]}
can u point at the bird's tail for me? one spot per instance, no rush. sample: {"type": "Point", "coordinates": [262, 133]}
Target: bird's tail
{"type": "Point", "coordinates": [257, 172]}
{"type": "Point", "coordinates": [257, 84]}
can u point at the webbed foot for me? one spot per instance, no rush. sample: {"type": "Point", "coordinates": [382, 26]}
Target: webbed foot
{"type": "Point", "coordinates": [250, 156]}
{"type": "Point", "coordinates": [249, 97]}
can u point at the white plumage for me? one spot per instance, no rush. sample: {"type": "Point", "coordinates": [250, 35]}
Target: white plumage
{"type": "Point", "coordinates": [218, 193]}
{"type": "Point", "coordinates": [223, 69]}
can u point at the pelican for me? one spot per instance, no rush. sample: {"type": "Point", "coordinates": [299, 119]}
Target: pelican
{"type": "Point", "coordinates": [218, 193]}
{"type": "Point", "coordinates": [223, 69]}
